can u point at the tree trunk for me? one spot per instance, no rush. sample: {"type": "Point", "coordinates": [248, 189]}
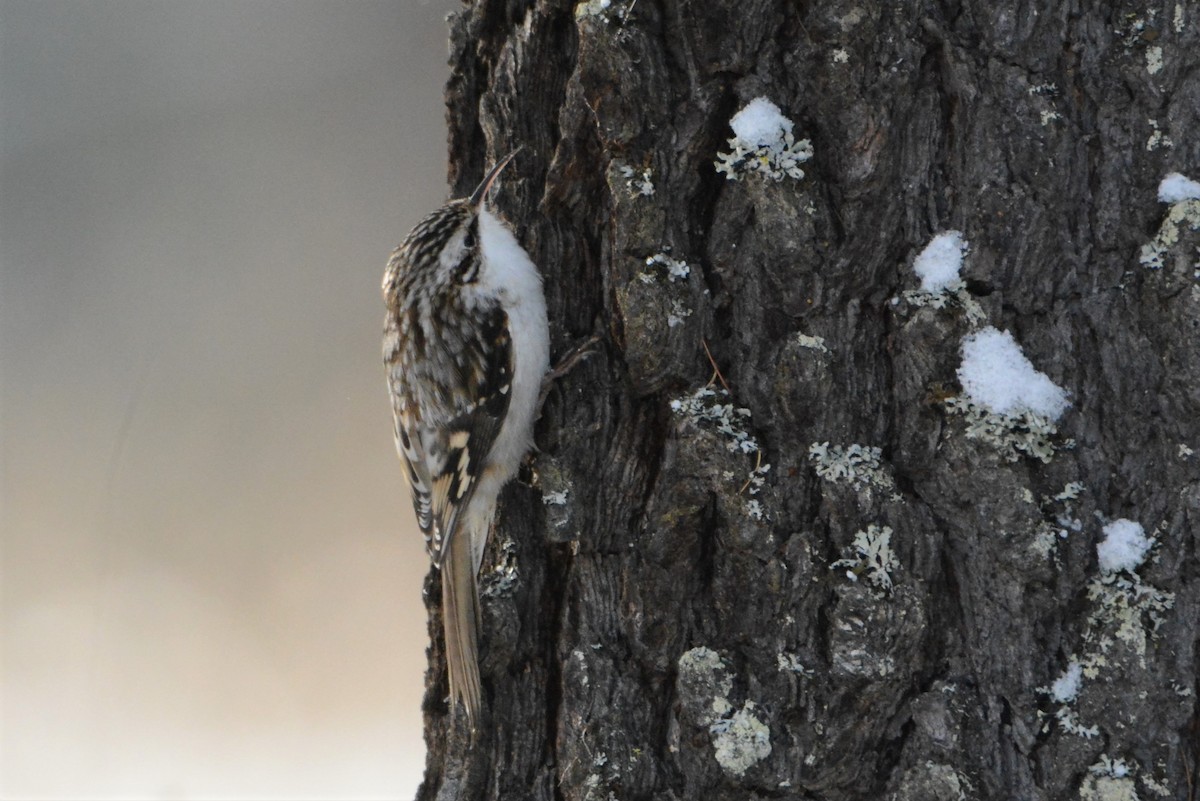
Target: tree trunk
{"type": "Point", "coordinates": [694, 596]}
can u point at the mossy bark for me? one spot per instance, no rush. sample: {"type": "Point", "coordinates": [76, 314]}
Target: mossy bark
{"type": "Point", "coordinates": [659, 626]}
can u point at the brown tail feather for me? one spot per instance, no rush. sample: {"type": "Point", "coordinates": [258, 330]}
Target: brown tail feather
{"type": "Point", "coordinates": [460, 616]}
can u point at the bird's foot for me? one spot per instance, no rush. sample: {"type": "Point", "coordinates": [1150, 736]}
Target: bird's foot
{"type": "Point", "coordinates": [567, 364]}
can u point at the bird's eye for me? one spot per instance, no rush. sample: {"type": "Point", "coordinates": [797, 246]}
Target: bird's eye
{"type": "Point", "coordinates": [469, 240]}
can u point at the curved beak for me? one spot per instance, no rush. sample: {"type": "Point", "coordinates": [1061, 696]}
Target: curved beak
{"type": "Point", "coordinates": [481, 192]}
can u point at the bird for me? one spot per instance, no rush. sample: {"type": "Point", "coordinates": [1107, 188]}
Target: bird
{"type": "Point", "coordinates": [465, 347]}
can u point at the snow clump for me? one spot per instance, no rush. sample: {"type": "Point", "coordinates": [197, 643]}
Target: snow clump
{"type": "Point", "coordinates": [763, 143]}
{"type": "Point", "coordinates": [1124, 546]}
{"type": "Point", "coordinates": [1176, 188]}
{"type": "Point", "coordinates": [997, 375]}
{"type": "Point", "coordinates": [1066, 687]}
{"type": "Point", "coordinates": [938, 264]}
{"type": "Point", "coordinates": [760, 123]}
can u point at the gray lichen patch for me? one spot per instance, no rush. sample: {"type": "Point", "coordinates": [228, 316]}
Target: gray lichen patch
{"type": "Point", "coordinates": [703, 684]}
{"type": "Point", "coordinates": [810, 342]}
{"type": "Point", "coordinates": [504, 576]}
{"type": "Point", "coordinates": [871, 639]}
{"type": "Point", "coordinates": [1114, 655]}
{"type": "Point", "coordinates": [740, 739]}
{"type": "Point", "coordinates": [671, 268]}
{"type": "Point", "coordinates": [952, 296]}
{"type": "Point", "coordinates": [932, 781]}
{"type": "Point", "coordinates": [713, 409]}
{"type": "Point", "coordinates": [872, 557]}
{"type": "Point", "coordinates": [1126, 611]}
{"type": "Point", "coordinates": [860, 466]}
{"type": "Point", "coordinates": [1109, 780]}
{"type": "Point", "coordinates": [1181, 217]}
{"type": "Point", "coordinates": [639, 183]}
{"type": "Point", "coordinates": [1013, 435]}
{"type": "Point", "coordinates": [664, 311]}
{"type": "Point", "coordinates": [557, 486]}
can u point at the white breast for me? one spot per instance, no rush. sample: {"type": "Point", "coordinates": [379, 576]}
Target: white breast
{"type": "Point", "coordinates": [508, 274]}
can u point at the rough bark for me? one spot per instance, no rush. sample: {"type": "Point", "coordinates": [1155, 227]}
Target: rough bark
{"type": "Point", "coordinates": [650, 635]}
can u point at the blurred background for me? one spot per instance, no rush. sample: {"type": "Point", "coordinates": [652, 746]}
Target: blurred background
{"type": "Point", "coordinates": [211, 579]}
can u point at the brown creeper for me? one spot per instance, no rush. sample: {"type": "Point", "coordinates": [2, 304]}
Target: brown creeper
{"type": "Point", "coordinates": [466, 345]}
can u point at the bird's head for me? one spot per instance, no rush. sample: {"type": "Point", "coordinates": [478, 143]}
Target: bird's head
{"type": "Point", "coordinates": [445, 243]}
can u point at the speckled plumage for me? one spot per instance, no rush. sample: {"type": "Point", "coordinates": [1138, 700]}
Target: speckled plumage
{"type": "Point", "coordinates": [465, 345]}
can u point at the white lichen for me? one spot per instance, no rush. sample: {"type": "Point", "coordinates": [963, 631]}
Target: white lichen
{"type": "Point", "coordinates": [1160, 789]}
{"type": "Point", "coordinates": [1183, 194]}
{"type": "Point", "coordinates": [758, 478]}
{"type": "Point", "coordinates": [954, 294]}
{"type": "Point", "coordinates": [678, 313]}
{"type": "Point", "coordinates": [592, 8]}
{"type": "Point", "coordinates": [840, 56]}
{"type": "Point", "coordinates": [1157, 138]}
{"type": "Point", "coordinates": [1068, 721]}
{"type": "Point", "coordinates": [1128, 608]}
{"type": "Point", "coordinates": [555, 498]}
{"type": "Point", "coordinates": [812, 343]}
{"type": "Point", "coordinates": [1182, 213]}
{"type": "Point", "coordinates": [1045, 541]}
{"type": "Point", "coordinates": [703, 672]}
{"type": "Point", "coordinates": [763, 144]}
{"type": "Point", "coordinates": [704, 407]}
{"type": "Point", "coordinates": [790, 663]}
{"type": "Point", "coordinates": [741, 741]}
{"type": "Point", "coordinates": [674, 269]}
{"type": "Point", "coordinates": [1107, 766]}
{"type": "Point", "coordinates": [861, 466]}
{"type": "Point", "coordinates": [872, 556]}
{"type": "Point", "coordinates": [1070, 492]}
{"type": "Point", "coordinates": [1154, 59]}
{"type": "Point", "coordinates": [639, 184]}
{"type": "Point", "coordinates": [502, 579]}
{"type": "Point", "coordinates": [1108, 780]}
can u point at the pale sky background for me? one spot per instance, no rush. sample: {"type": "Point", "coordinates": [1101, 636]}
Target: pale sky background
{"type": "Point", "coordinates": [211, 580]}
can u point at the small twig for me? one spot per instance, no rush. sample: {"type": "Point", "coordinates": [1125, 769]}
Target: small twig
{"type": "Point", "coordinates": [757, 464]}
{"type": "Point", "coordinates": [716, 370]}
